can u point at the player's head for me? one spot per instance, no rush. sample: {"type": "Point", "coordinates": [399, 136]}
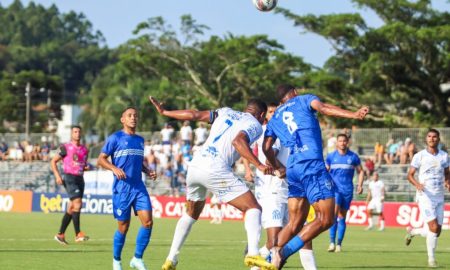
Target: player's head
{"type": "Point", "coordinates": [375, 176]}
{"type": "Point", "coordinates": [257, 108]}
{"type": "Point", "coordinates": [75, 133]}
{"type": "Point", "coordinates": [271, 108]}
{"type": "Point", "coordinates": [342, 141]}
{"type": "Point", "coordinates": [129, 118]}
{"type": "Point", "coordinates": [285, 92]}
{"type": "Point", "coordinates": [433, 138]}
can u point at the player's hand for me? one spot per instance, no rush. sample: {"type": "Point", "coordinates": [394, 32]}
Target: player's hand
{"type": "Point", "coordinates": [420, 187]}
{"type": "Point", "coordinates": [152, 175]}
{"type": "Point", "coordinates": [280, 172]}
{"type": "Point", "coordinates": [447, 185]}
{"type": "Point", "coordinates": [119, 173]}
{"type": "Point", "coordinates": [361, 113]}
{"type": "Point", "coordinates": [265, 169]}
{"type": "Point", "coordinates": [249, 176]}
{"type": "Point", "coordinates": [359, 189]}
{"type": "Point", "coordinates": [59, 180]}
{"type": "Point", "coordinates": [158, 105]}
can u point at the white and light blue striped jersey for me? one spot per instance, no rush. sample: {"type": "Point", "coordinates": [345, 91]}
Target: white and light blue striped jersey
{"type": "Point", "coordinates": [226, 125]}
{"type": "Point", "coordinates": [431, 170]}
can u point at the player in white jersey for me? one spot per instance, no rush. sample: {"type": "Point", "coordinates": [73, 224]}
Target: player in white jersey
{"type": "Point", "coordinates": [231, 135]}
{"type": "Point", "coordinates": [434, 178]}
{"type": "Point", "coordinates": [375, 199]}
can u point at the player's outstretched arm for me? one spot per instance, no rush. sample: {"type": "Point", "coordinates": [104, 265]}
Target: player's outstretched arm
{"type": "Point", "coordinates": [413, 180]}
{"type": "Point", "coordinates": [270, 154]}
{"type": "Point", "coordinates": [332, 110]}
{"type": "Point", "coordinates": [191, 115]}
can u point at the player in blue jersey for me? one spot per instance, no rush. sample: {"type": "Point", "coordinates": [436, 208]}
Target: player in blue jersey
{"type": "Point", "coordinates": [295, 124]}
{"type": "Point", "coordinates": [126, 150]}
{"type": "Point", "coordinates": [342, 164]}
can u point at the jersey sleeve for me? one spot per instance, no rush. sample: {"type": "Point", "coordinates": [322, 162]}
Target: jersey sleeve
{"type": "Point", "coordinates": [109, 146]}
{"type": "Point", "coordinates": [253, 131]}
{"type": "Point", "coordinates": [269, 130]}
{"type": "Point", "coordinates": [446, 162]}
{"type": "Point", "coordinates": [357, 160]}
{"type": "Point", "coordinates": [215, 113]}
{"type": "Point", "coordinates": [415, 162]}
{"type": "Point", "coordinates": [328, 160]}
{"type": "Point", "coordinates": [309, 99]}
{"type": "Point", "coordinates": [62, 150]}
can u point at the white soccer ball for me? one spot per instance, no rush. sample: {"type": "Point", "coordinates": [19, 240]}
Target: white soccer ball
{"type": "Point", "coordinates": [265, 5]}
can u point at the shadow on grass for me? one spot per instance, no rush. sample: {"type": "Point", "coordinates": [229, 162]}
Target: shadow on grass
{"type": "Point", "coordinates": [52, 250]}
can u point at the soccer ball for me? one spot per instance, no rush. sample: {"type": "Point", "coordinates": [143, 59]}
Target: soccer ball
{"type": "Point", "coordinates": [265, 5]}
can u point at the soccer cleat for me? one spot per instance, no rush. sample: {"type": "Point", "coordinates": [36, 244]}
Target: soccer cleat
{"type": "Point", "coordinates": [408, 236]}
{"type": "Point", "coordinates": [117, 265]}
{"type": "Point", "coordinates": [137, 264]}
{"type": "Point", "coordinates": [61, 239]}
{"type": "Point", "coordinates": [338, 248]}
{"type": "Point", "coordinates": [432, 264]}
{"type": "Point", "coordinates": [368, 228]}
{"type": "Point", "coordinates": [81, 237]}
{"type": "Point", "coordinates": [381, 229]}
{"type": "Point", "coordinates": [258, 261]}
{"type": "Point", "coordinates": [331, 247]}
{"type": "Point", "coordinates": [169, 265]}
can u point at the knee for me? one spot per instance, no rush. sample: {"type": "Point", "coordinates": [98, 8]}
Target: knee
{"type": "Point", "coordinates": [434, 228]}
{"type": "Point", "coordinates": [147, 224]}
{"type": "Point", "coordinates": [327, 221]}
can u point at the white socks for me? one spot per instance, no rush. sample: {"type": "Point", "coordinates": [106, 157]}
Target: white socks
{"type": "Point", "coordinates": [253, 228]}
{"type": "Point", "coordinates": [264, 251]}
{"type": "Point", "coordinates": [382, 224]}
{"type": "Point", "coordinates": [182, 230]}
{"type": "Point", "coordinates": [431, 244]}
{"type": "Point", "coordinates": [420, 231]}
{"type": "Point", "coordinates": [307, 259]}
{"type": "Point", "coordinates": [370, 220]}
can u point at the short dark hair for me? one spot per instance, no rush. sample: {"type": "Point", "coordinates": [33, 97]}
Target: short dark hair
{"type": "Point", "coordinates": [433, 130]}
{"type": "Point", "coordinates": [272, 104]}
{"type": "Point", "coordinates": [342, 135]}
{"type": "Point", "coordinates": [127, 108]}
{"type": "Point", "coordinates": [258, 103]}
{"type": "Point", "coordinates": [76, 126]}
{"type": "Point", "coordinates": [283, 89]}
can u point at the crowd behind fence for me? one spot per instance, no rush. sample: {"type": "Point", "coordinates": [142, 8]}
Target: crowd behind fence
{"type": "Point", "coordinates": [170, 158]}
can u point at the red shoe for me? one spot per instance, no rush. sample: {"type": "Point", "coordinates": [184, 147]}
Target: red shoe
{"type": "Point", "coordinates": [81, 237]}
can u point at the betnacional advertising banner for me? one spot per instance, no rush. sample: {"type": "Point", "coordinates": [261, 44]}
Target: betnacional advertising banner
{"type": "Point", "coordinates": [396, 214]}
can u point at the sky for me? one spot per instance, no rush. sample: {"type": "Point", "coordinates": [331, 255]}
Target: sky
{"type": "Point", "coordinates": [116, 19]}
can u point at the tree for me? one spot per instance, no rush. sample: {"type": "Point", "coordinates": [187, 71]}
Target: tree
{"type": "Point", "coordinates": [398, 68]}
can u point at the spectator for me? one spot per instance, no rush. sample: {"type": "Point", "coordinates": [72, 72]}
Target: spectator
{"type": "Point", "coordinates": [379, 153]}
{"type": "Point", "coordinates": [201, 133]}
{"type": "Point", "coordinates": [407, 151]}
{"type": "Point", "coordinates": [331, 142]}
{"type": "Point", "coordinates": [186, 133]}
{"type": "Point", "coordinates": [392, 152]}
{"type": "Point", "coordinates": [369, 167]}
{"type": "Point", "coordinates": [45, 151]}
{"type": "Point", "coordinates": [166, 137]}
{"type": "Point", "coordinates": [3, 151]}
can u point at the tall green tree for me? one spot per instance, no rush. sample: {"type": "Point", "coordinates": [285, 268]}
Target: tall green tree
{"type": "Point", "coordinates": [399, 69]}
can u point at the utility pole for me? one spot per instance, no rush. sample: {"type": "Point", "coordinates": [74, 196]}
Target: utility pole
{"type": "Point", "coordinates": [27, 119]}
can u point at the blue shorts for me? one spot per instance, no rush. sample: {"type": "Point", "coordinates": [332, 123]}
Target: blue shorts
{"type": "Point", "coordinates": [310, 179]}
{"type": "Point", "coordinates": [122, 203]}
{"type": "Point", "coordinates": [343, 199]}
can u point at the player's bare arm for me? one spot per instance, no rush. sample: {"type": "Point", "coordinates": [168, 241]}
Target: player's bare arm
{"type": "Point", "coordinates": [413, 180]}
{"type": "Point", "coordinates": [152, 174]}
{"type": "Point", "coordinates": [248, 171]}
{"type": "Point", "coordinates": [360, 179]}
{"type": "Point", "coordinates": [447, 178]}
{"type": "Point", "coordinates": [103, 162]}
{"type": "Point", "coordinates": [241, 145]}
{"type": "Point", "coordinates": [332, 110]}
{"type": "Point", "coordinates": [369, 195]}
{"type": "Point", "coordinates": [53, 164]}
{"type": "Point", "coordinates": [270, 154]}
{"type": "Point", "coordinates": [191, 115]}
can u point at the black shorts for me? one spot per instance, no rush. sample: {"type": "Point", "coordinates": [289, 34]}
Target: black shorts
{"type": "Point", "coordinates": [74, 185]}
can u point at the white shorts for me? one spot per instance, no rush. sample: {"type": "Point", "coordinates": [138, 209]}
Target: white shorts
{"type": "Point", "coordinates": [376, 205]}
{"type": "Point", "coordinates": [431, 207]}
{"type": "Point", "coordinates": [274, 212]}
{"type": "Point", "coordinates": [222, 182]}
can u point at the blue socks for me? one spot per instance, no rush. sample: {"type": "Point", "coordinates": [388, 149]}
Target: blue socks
{"type": "Point", "coordinates": [119, 241]}
{"type": "Point", "coordinates": [294, 245]}
{"type": "Point", "coordinates": [142, 240]}
{"type": "Point", "coordinates": [341, 230]}
{"type": "Point", "coordinates": [332, 232]}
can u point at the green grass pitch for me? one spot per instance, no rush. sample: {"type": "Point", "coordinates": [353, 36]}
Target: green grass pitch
{"type": "Point", "coordinates": [26, 242]}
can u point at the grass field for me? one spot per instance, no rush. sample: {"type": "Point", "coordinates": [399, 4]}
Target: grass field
{"type": "Point", "coordinates": [26, 242]}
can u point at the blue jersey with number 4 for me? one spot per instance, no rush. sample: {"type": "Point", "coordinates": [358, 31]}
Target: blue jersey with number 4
{"type": "Point", "coordinates": [295, 124]}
